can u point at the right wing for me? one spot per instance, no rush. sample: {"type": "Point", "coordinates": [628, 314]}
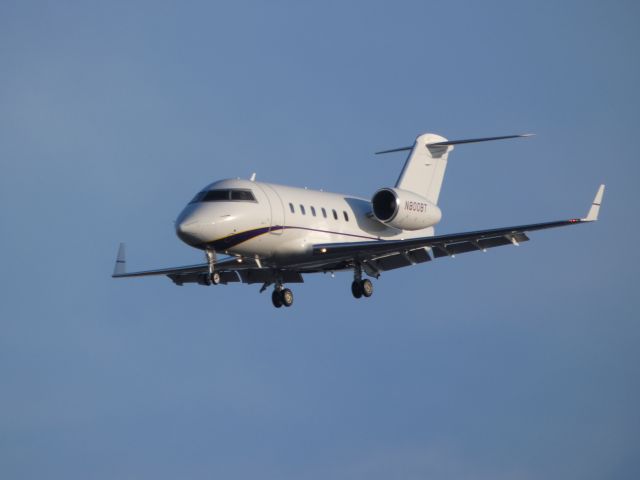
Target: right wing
{"type": "Point", "coordinates": [380, 255]}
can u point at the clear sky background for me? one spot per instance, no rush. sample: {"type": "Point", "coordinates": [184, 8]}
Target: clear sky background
{"type": "Point", "coordinates": [518, 363]}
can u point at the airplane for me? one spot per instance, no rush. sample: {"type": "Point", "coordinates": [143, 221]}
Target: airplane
{"type": "Point", "coordinates": [274, 234]}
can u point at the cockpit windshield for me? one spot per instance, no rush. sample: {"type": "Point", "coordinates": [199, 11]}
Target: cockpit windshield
{"type": "Point", "coordinates": [227, 195]}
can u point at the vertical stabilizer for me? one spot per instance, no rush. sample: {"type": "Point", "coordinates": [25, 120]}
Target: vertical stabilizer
{"type": "Point", "coordinates": [423, 171]}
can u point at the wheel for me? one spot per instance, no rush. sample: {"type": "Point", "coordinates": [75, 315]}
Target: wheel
{"type": "Point", "coordinates": [367, 287]}
{"type": "Point", "coordinates": [356, 289]}
{"type": "Point", "coordinates": [286, 296]}
{"type": "Point", "coordinates": [276, 298]}
{"type": "Point", "coordinates": [215, 278]}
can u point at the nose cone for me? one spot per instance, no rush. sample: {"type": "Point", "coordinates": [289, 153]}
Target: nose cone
{"type": "Point", "coordinates": [191, 226]}
{"type": "Point", "coordinates": [189, 231]}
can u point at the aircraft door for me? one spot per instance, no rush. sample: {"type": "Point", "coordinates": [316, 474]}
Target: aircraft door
{"type": "Point", "coordinates": [277, 209]}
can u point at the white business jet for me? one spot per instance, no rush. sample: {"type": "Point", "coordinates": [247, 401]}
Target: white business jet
{"type": "Point", "coordinates": [273, 234]}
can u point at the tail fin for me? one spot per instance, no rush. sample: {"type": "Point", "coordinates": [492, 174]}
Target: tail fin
{"type": "Point", "coordinates": [423, 171]}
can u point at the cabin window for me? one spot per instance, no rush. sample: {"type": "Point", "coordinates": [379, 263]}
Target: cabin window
{"type": "Point", "coordinates": [293, 210]}
{"type": "Point", "coordinates": [313, 211]}
{"type": "Point", "coordinates": [346, 217]}
{"type": "Point", "coordinates": [235, 195]}
{"type": "Point", "coordinates": [335, 215]}
{"type": "Point", "coordinates": [302, 209]}
{"type": "Point", "coordinates": [324, 212]}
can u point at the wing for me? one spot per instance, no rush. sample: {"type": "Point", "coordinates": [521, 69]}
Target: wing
{"type": "Point", "coordinates": [231, 270]}
{"type": "Point", "coordinates": [376, 256]}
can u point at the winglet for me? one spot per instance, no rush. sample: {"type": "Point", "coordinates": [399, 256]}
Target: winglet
{"type": "Point", "coordinates": [592, 216]}
{"type": "Point", "coordinates": [120, 267]}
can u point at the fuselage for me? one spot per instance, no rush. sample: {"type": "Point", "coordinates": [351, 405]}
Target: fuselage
{"type": "Point", "coordinates": [278, 224]}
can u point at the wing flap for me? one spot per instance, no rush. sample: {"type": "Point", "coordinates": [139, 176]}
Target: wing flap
{"type": "Point", "coordinates": [391, 262]}
{"type": "Point", "coordinates": [267, 276]}
{"type": "Point", "coordinates": [448, 249]}
{"type": "Point", "coordinates": [399, 260]}
{"type": "Point", "coordinates": [200, 278]}
{"type": "Point", "coordinates": [501, 241]}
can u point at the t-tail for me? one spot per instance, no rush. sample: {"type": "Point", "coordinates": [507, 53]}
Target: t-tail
{"type": "Point", "coordinates": [425, 167]}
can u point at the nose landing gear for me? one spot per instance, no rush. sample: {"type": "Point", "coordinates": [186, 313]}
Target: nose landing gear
{"type": "Point", "coordinates": [214, 276]}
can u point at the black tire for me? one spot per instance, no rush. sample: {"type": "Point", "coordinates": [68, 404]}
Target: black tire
{"type": "Point", "coordinates": [215, 278]}
{"type": "Point", "coordinates": [276, 299]}
{"type": "Point", "coordinates": [366, 287]}
{"type": "Point", "coordinates": [286, 296]}
{"type": "Point", "coordinates": [356, 289]}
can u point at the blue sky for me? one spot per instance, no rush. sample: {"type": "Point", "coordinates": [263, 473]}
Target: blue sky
{"type": "Point", "coordinates": [518, 363]}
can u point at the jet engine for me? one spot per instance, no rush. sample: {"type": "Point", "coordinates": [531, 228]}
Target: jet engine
{"type": "Point", "coordinates": [404, 210]}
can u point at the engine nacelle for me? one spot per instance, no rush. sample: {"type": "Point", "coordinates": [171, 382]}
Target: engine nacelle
{"type": "Point", "coordinates": [404, 210]}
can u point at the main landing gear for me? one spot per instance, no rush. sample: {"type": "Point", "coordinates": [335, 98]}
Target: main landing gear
{"type": "Point", "coordinates": [362, 288]}
{"type": "Point", "coordinates": [359, 287]}
{"type": "Point", "coordinates": [282, 296]}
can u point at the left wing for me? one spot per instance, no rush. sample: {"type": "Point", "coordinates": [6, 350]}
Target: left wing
{"type": "Point", "coordinates": [380, 255]}
{"type": "Point", "coordinates": [180, 275]}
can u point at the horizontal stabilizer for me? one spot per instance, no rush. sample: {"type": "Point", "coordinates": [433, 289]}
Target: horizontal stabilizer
{"type": "Point", "coordinates": [459, 142]}
{"type": "Point", "coordinates": [401, 149]}
{"type": "Point", "coordinates": [478, 140]}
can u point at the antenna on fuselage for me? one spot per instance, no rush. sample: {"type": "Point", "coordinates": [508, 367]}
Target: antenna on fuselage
{"type": "Point", "coordinates": [253, 177]}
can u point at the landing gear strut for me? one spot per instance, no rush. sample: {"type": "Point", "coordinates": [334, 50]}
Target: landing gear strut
{"type": "Point", "coordinates": [211, 260]}
{"type": "Point", "coordinates": [360, 287]}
